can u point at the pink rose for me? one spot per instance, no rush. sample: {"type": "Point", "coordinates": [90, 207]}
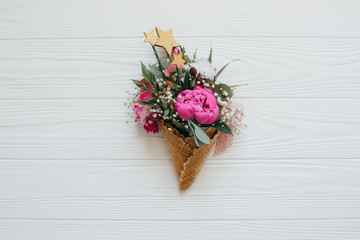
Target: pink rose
{"type": "Point", "coordinates": [172, 68]}
{"type": "Point", "coordinates": [199, 104]}
{"type": "Point", "coordinates": [166, 73]}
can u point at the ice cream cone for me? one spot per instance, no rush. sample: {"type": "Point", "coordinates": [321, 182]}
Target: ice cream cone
{"type": "Point", "coordinates": [187, 157]}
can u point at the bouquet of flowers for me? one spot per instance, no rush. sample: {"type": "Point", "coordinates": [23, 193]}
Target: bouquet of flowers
{"type": "Point", "coordinates": [183, 98]}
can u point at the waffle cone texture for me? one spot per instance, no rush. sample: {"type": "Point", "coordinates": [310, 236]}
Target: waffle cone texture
{"type": "Point", "coordinates": [187, 157]}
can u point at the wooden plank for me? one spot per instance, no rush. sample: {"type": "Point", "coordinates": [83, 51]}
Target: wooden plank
{"type": "Point", "coordinates": [98, 18]}
{"type": "Point", "coordinates": [102, 68]}
{"type": "Point", "coordinates": [96, 129]}
{"type": "Point", "coordinates": [147, 190]}
{"type": "Point", "coordinates": [255, 230]}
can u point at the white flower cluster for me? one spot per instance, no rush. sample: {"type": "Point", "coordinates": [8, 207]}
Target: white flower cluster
{"type": "Point", "coordinates": [232, 117]}
{"type": "Point", "coordinates": [160, 82]}
{"type": "Point", "coordinates": [166, 95]}
{"type": "Point", "coordinates": [156, 112]}
{"type": "Point", "coordinates": [182, 76]}
{"type": "Point", "coordinates": [221, 102]}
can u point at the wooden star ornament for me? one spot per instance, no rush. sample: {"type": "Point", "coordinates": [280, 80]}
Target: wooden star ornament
{"type": "Point", "coordinates": [178, 59]}
{"type": "Point", "coordinates": [166, 40]}
{"type": "Point", "coordinates": [150, 37]}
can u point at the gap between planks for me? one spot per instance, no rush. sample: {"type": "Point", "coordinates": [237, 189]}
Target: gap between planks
{"type": "Point", "coordinates": [183, 36]}
{"type": "Point", "coordinates": [181, 220]}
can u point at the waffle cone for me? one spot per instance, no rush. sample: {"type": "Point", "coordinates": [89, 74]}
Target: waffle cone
{"type": "Point", "coordinates": [187, 157]}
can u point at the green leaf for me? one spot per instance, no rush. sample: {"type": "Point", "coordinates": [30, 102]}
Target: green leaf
{"type": "Point", "coordinates": [141, 85]}
{"type": "Point", "coordinates": [156, 71]}
{"type": "Point", "coordinates": [150, 104]}
{"type": "Point", "coordinates": [194, 56]}
{"type": "Point", "coordinates": [145, 99]}
{"type": "Point", "coordinates": [147, 74]}
{"type": "Point", "coordinates": [178, 125]}
{"type": "Point", "coordinates": [222, 127]}
{"type": "Point", "coordinates": [178, 77]}
{"type": "Point", "coordinates": [225, 88]}
{"type": "Point", "coordinates": [187, 80]}
{"type": "Point", "coordinates": [192, 134]}
{"type": "Point", "coordinates": [182, 48]}
{"type": "Point", "coordinates": [166, 112]}
{"type": "Point", "coordinates": [210, 56]}
{"type": "Point", "coordinates": [165, 62]}
{"type": "Point", "coordinates": [223, 68]}
{"type": "Point", "coordinates": [200, 136]}
{"type": "Point", "coordinates": [187, 59]}
{"type": "Point", "coordinates": [239, 85]}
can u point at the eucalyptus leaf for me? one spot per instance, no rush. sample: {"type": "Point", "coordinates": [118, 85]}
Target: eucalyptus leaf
{"type": "Point", "coordinates": [156, 71]}
{"type": "Point", "coordinates": [199, 134]}
{"type": "Point", "coordinates": [222, 127]}
{"type": "Point", "coordinates": [223, 68]}
{"type": "Point", "coordinates": [198, 142]}
{"type": "Point", "coordinates": [165, 62]}
{"type": "Point", "coordinates": [193, 134]}
{"type": "Point", "coordinates": [166, 112]}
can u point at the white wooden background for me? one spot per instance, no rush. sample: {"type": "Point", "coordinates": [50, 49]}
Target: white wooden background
{"type": "Point", "coordinates": [70, 168]}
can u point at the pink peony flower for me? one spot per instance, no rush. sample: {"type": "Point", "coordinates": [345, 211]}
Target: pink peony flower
{"type": "Point", "coordinates": [166, 73]}
{"type": "Point", "coordinates": [199, 104]}
{"type": "Point", "coordinates": [172, 68]}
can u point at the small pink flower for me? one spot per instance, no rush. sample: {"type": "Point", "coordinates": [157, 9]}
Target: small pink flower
{"type": "Point", "coordinates": [199, 104]}
{"type": "Point", "coordinates": [175, 51]}
{"type": "Point", "coordinates": [151, 126]}
{"type": "Point", "coordinates": [166, 73]}
{"type": "Point", "coordinates": [143, 115]}
{"type": "Point", "coordinates": [215, 69]}
{"type": "Point", "coordinates": [141, 112]}
{"type": "Point", "coordinates": [172, 68]}
{"type": "Point", "coordinates": [181, 66]}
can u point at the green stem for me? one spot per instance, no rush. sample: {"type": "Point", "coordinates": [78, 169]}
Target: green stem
{"type": "Point", "coordinates": [178, 77]}
{"type": "Point", "coordinates": [158, 59]}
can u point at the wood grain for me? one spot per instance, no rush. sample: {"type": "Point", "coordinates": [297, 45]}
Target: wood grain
{"type": "Point", "coordinates": [97, 129]}
{"type": "Point", "coordinates": [147, 190]}
{"type": "Point", "coordinates": [102, 68]}
{"type": "Point", "coordinates": [99, 18]}
{"type": "Point", "coordinates": [71, 168]}
{"type": "Point", "coordinates": [255, 230]}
